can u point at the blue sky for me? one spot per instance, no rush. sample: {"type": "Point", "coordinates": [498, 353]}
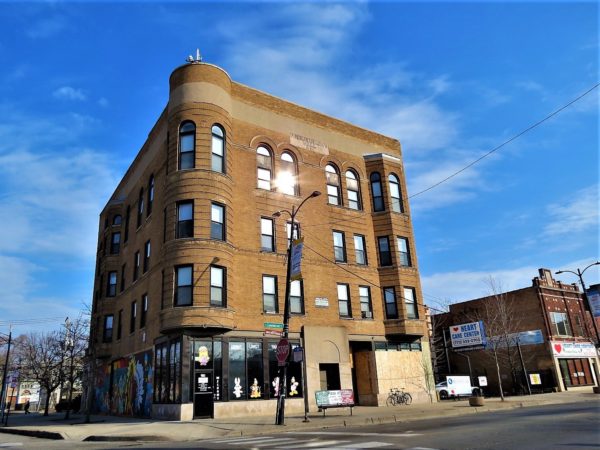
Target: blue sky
{"type": "Point", "coordinates": [81, 85]}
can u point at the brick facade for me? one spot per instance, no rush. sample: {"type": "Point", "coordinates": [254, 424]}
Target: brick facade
{"type": "Point", "coordinates": [204, 95]}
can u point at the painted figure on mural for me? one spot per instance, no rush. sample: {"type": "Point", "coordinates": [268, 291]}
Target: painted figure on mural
{"type": "Point", "coordinates": [275, 384]}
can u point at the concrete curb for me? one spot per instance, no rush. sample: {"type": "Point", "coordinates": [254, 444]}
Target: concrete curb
{"type": "Point", "coordinates": [34, 433]}
{"type": "Point", "coordinates": [146, 438]}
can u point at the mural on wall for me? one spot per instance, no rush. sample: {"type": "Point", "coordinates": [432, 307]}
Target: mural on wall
{"type": "Point", "coordinates": [130, 393]}
{"type": "Point", "coordinates": [102, 391]}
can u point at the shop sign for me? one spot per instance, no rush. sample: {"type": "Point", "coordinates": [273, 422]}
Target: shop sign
{"type": "Point", "coordinates": [343, 397]}
{"type": "Point", "coordinates": [321, 302]}
{"type": "Point", "coordinates": [562, 349]}
{"type": "Point", "coordinates": [468, 334]}
{"type": "Point", "coordinates": [534, 378]}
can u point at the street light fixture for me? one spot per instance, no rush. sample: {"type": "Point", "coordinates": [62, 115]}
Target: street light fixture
{"type": "Point", "coordinates": [280, 415]}
{"type": "Point", "coordinates": [586, 300]}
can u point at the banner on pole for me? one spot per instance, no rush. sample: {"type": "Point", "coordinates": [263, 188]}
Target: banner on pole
{"type": "Point", "coordinates": [297, 247]}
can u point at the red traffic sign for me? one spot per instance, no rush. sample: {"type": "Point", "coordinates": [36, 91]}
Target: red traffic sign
{"type": "Point", "coordinates": [283, 351]}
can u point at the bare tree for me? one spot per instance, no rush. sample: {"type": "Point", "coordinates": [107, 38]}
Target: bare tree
{"type": "Point", "coordinates": [41, 359]}
{"type": "Point", "coordinates": [75, 346]}
{"type": "Point", "coordinates": [502, 321]}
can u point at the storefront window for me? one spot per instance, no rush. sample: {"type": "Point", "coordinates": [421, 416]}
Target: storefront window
{"type": "Point", "coordinates": [167, 372]}
{"type": "Point", "coordinates": [237, 371]}
{"type": "Point", "coordinates": [254, 360]}
{"type": "Point", "coordinates": [294, 374]}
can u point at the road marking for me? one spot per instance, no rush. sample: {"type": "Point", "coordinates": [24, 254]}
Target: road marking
{"type": "Point", "coordinates": [320, 444]}
{"type": "Point", "coordinates": [362, 445]}
{"type": "Point", "coordinates": [410, 434]}
{"type": "Point", "coordinates": [260, 441]}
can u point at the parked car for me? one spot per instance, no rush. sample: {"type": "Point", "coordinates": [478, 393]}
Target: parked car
{"type": "Point", "coordinates": [442, 389]}
{"type": "Point", "coordinates": [64, 404]}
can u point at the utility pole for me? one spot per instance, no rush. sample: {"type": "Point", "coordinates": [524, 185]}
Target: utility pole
{"type": "Point", "coordinates": [280, 415]}
{"type": "Point", "coordinates": [3, 392]}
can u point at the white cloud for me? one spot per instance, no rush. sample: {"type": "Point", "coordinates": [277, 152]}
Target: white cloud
{"type": "Point", "coordinates": [380, 97]}
{"type": "Point", "coordinates": [103, 102]}
{"type": "Point", "coordinates": [576, 214]}
{"type": "Point", "coordinates": [69, 93]}
{"type": "Point", "coordinates": [463, 285]}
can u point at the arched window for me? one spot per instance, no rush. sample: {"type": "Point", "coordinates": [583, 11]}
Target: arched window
{"type": "Point", "coordinates": [333, 184]}
{"type": "Point", "coordinates": [353, 190]}
{"type": "Point", "coordinates": [218, 149]}
{"type": "Point", "coordinates": [376, 192]}
{"type": "Point", "coordinates": [286, 178]}
{"type": "Point", "coordinates": [187, 145]}
{"type": "Point", "coordinates": [395, 193]}
{"type": "Point", "coordinates": [265, 167]}
{"type": "Point", "coordinates": [116, 220]}
{"type": "Point", "coordinates": [140, 210]}
{"type": "Point", "coordinates": [150, 195]}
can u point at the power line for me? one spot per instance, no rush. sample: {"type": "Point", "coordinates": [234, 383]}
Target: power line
{"type": "Point", "coordinates": [516, 136]}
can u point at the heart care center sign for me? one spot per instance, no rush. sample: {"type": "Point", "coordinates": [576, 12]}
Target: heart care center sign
{"type": "Point", "coordinates": [468, 334]}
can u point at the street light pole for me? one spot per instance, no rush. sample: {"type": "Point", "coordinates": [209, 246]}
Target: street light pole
{"type": "Point", "coordinates": [280, 416]}
{"type": "Point", "coordinates": [586, 300]}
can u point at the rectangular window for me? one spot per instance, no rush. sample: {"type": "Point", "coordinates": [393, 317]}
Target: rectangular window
{"type": "Point", "coordinates": [183, 283]}
{"type": "Point", "coordinates": [410, 301]}
{"type": "Point", "coordinates": [270, 303]}
{"type": "Point", "coordinates": [123, 267]}
{"type": "Point", "coordinates": [111, 287]}
{"type": "Point", "coordinates": [237, 371]}
{"type": "Point", "coordinates": [366, 310]}
{"type": "Point", "coordinates": [344, 300]}
{"type": "Point", "coordinates": [267, 237]}
{"type": "Point", "coordinates": [560, 324]}
{"type": "Point", "coordinates": [296, 297]}
{"type": "Point", "coordinates": [391, 308]}
{"type": "Point", "coordinates": [403, 251]}
{"type": "Point", "coordinates": [385, 255]}
{"type": "Point", "coordinates": [108, 328]}
{"type": "Point", "coordinates": [339, 246]}
{"type": "Point", "coordinates": [359, 250]}
{"type": "Point", "coordinates": [217, 222]}
{"type": "Point", "coordinates": [353, 202]}
{"type": "Point", "coordinates": [217, 286]}
{"type": "Point", "coordinates": [185, 220]}
{"type": "Point", "coordinates": [264, 179]}
{"type": "Point", "coordinates": [333, 194]}
{"type": "Point", "coordinates": [167, 372]}
{"type": "Point", "coordinates": [115, 243]}
{"type": "Point", "coordinates": [120, 324]}
{"type": "Point", "coordinates": [146, 256]}
{"type": "Point", "coordinates": [136, 265]}
{"type": "Point", "coordinates": [144, 312]}
{"type": "Point", "coordinates": [288, 231]}
{"type": "Point", "coordinates": [133, 316]}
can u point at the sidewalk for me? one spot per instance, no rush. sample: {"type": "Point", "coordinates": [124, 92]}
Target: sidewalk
{"type": "Point", "coordinates": [112, 428]}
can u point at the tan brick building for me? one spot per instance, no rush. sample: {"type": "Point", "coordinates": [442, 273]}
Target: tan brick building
{"type": "Point", "coordinates": [551, 334]}
{"type": "Point", "coordinates": [191, 266]}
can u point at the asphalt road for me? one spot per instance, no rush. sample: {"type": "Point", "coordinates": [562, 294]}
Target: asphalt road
{"type": "Point", "coordinates": [573, 426]}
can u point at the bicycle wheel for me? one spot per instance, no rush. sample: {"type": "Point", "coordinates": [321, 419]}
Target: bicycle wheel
{"type": "Point", "coordinates": [391, 400]}
{"type": "Point", "coordinates": [407, 398]}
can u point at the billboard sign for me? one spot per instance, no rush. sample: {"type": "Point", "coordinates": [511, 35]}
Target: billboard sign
{"type": "Point", "coordinates": [468, 334]}
{"type": "Point", "coordinates": [594, 299]}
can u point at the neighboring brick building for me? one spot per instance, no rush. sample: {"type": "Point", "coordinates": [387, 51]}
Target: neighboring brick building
{"type": "Point", "coordinates": [555, 335]}
{"type": "Point", "coordinates": [191, 263]}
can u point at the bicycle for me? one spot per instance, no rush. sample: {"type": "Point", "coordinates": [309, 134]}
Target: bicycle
{"type": "Point", "coordinates": [398, 397]}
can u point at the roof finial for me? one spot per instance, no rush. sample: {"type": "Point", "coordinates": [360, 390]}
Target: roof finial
{"type": "Point", "coordinates": [196, 60]}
